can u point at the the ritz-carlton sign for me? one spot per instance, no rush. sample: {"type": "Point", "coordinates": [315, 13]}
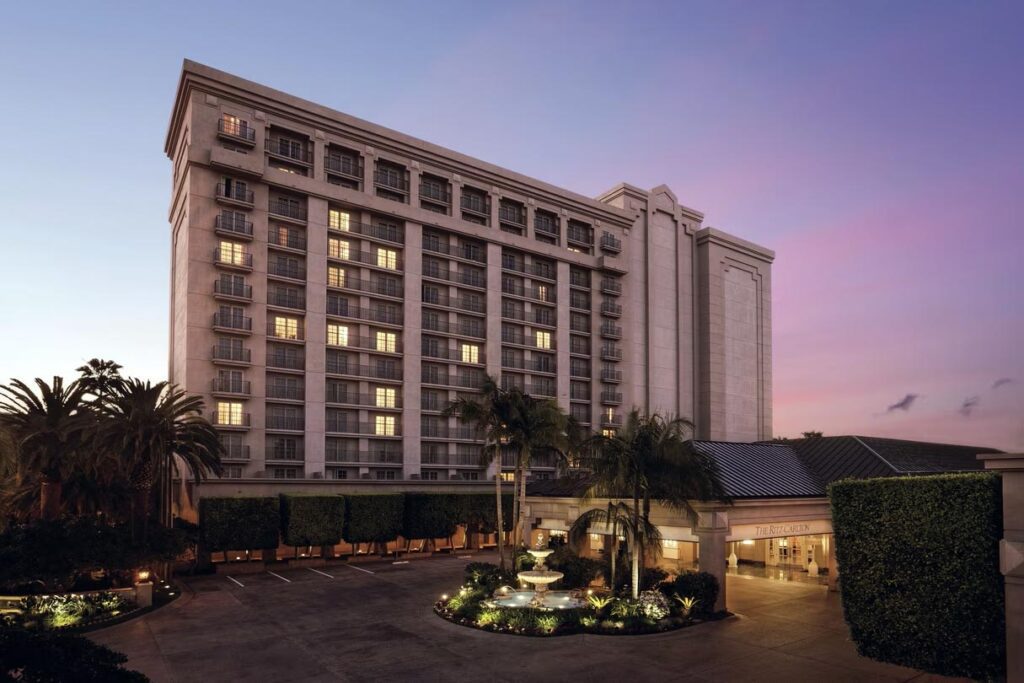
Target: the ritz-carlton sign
{"type": "Point", "coordinates": [783, 529]}
{"type": "Point", "coordinates": [738, 532]}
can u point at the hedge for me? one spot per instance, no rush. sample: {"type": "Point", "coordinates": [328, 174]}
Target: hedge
{"type": "Point", "coordinates": [312, 520]}
{"type": "Point", "coordinates": [919, 568]}
{"type": "Point", "coordinates": [238, 523]}
{"type": "Point", "coordinates": [700, 585]}
{"type": "Point", "coordinates": [478, 511]}
{"type": "Point", "coordinates": [374, 518]}
{"type": "Point", "coordinates": [429, 515]}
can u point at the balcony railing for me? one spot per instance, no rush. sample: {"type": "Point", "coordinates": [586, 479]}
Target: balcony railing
{"type": "Point", "coordinates": [579, 349]}
{"type": "Point", "coordinates": [546, 227]}
{"type": "Point", "coordinates": [232, 259]}
{"type": "Point", "coordinates": [286, 209]}
{"type": "Point", "coordinates": [445, 353]}
{"type": "Point", "coordinates": [461, 303]}
{"type": "Point", "coordinates": [342, 426]}
{"type": "Point", "coordinates": [611, 331]}
{"type": "Point", "coordinates": [232, 322]}
{"type": "Point", "coordinates": [286, 361]}
{"type": "Point", "coordinates": [451, 380]}
{"type": "Point", "coordinates": [609, 397]}
{"type": "Point", "coordinates": [296, 300]}
{"type": "Point", "coordinates": [337, 455]}
{"type": "Point", "coordinates": [611, 353]}
{"type": "Point", "coordinates": [512, 214]}
{"type": "Point", "coordinates": [537, 389]}
{"type": "Point", "coordinates": [464, 251]}
{"type": "Point", "coordinates": [611, 309]}
{"type": "Point", "coordinates": [475, 204]}
{"type": "Point", "coordinates": [235, 451]}
{"type": "Point", "coordinates": [230, 386]}
{"type": "Point", "coordinates": [239, 421]}
{"type": "Point", "coordinates": [611, 243]}
{"type": "Point", "coordinates": [294, 423]}
{"type": "Point", "coordinates": [580, 235]}
{"type": "Point", "coordinates": [235, 192]}
{"type": "Point", "coordinates": [610, 375]}
{"type": "Point", "coordinates": [233, 355]}
{"type": "Point", "coordinates": [390, 181]}
{"type": "Point", "coordinates": [543, 317]}
{"type": "Point", "coordinates": [336, 366]}
{"type": "Point", "coordinates": [285, 455]}
{"type": "Point", "coordinates": [388, 233]}
{"type": "Point", "coordinates": [579, 371]}
{"type": "Point", "coordinates": [434, 193]}
{"type": "Point", "coordinates": [232, 289]}
{"type": "Point", "coordinates": [344, 164]}
{"type": "Point", "coordinates": [467, 278]}
{"type": "Point", "coordinates": [293, 150]}
{"type": "Point", "coordinates": [542, 365]}
{"type": "Point", "coordinates": [290, 239]}
{"type": "Point", "coordinates": [295, 271]}
{"type": "Point", "coordinates": [236, 129]}
{"type": "Point", "coordinates": [287, 392]}
{"type": "Point", "coordinates": [340, 396]}
{"type": "Point", "coordinates": [612, 287]}
{"type": "Point", "coordinates": [232, 224]}
{"type": "Point", "coordinates": [581, 303]}
{"type": "Point", "coordinates": [286, 333]}
{"type": "Point", "coordinates": [611, 421]}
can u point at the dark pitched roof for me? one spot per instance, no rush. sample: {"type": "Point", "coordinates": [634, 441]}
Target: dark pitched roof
{"type": "Point", "coordinates": [917, 457]}
{"type": "Point", "coordinates": [760, 470]}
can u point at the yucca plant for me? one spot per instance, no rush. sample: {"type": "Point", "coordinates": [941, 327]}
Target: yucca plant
{"type": "Point", "coordinates": [686, 604]}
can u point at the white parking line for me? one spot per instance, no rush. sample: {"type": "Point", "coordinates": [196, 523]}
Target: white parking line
{"type": "Point", "coordinates": [401, 562]}
{"type": "Point", "coordinates": [242, 585]}
{"type": "Point", "coordinates": [279, 576]}
{"type": "Point", "coordinates": [320, 572]}
{"type": "Point", "coordinates": [365, 571]}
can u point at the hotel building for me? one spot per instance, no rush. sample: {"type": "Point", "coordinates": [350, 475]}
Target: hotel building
{"type": "Point", "coordinates": [334, 284]}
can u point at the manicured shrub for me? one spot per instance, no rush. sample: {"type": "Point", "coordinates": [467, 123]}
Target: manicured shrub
{"type": "Point", "coordinates": [652, 605]}
{"type": "Point", "coordinates": [238, 523]}
{"type": "Point", "coordinates": [919, 571]}
{"type": "Point", "coordinates": [478, 511]}
{"type": "Point", "coordinates": [487, 576]}
{"type": "Point", "coordinates": [699, 585]}
{"type": "Point", "coordinates": [373, 518]}
{"type": "Point", "coordinates": [55, 656]}
{"type": "Point", "coordinates": [431, 515]}
{"type": "Point", "coordinates": [579, 571]}
{"type": "Point", "coordinates": [69, 610]}
{"type": "Point", "coordinates": [312, 520]}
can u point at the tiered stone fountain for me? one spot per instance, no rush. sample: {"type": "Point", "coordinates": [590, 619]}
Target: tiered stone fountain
{"type": "Point", "coordinates": [539, 577]}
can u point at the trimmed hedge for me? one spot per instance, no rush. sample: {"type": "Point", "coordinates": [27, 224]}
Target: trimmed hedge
{"type": "Point", "coordinates": [919, 568]}
{"type": "Point", "coordinates": [478, 511]}
{"type": "Point", "coordinates": [238, 523]}
{"type": "Point", "coordinates": [312, 520]}
{"type": "Point", "coordinates": [374, 518]}
{"type": "Point", "coordinates": [700, 585]}
{"type": "Point", "coordinates": [429, 515]}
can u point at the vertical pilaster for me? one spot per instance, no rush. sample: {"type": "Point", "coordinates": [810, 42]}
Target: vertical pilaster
{"type": "Point", "coordinates": [562, 334]}
{"type": "Point", "coordinates": [711, 530]}
{"type": "Point", "coordinates": [411, 343]}
{"type": "Point", "coordinates": [316, 336]}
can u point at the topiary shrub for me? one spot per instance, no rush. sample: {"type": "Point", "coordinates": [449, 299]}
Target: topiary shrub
{"type": "Point", "coordinates": [238, 523]}
{"type": "Point", "coordinates": [431, 515]}
{"type": "Point", "coordinates": [699, 585]}
{"type": "Point", "coordinates": [919, 569]}
{"type": "Point", "coordinates": [312, 520]}
{"type": "Point", "coordinates": [373, 518]}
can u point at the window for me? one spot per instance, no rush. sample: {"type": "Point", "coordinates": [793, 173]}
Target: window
{"type": "Point", "coordinates": [470, 353]}
{"type": "Point", "coordinates": [285, 473]}
{"type": "Point", "coordinates": [232, 472]}
{"type": "Point", "coordinates": [386, 342]}
{"type": "Point", "coordinates": [338, 248]}
{"type": "Point", "coordinates": [286, 328]}
{"type": "Point", "coordinates": [232, 252]}
{"type": "Point", "coordinates": [232, 124]}
{"type": "Point", "coordinates": [670, 549]}
{"type": "Point", "coordinates": [543, 339]}
{"type": "Point", "coordinates": [337, 335]}
{"type": "Point", "coordinates": [543, 292]}
{"type": "Point", "coordinates": [339, 474]}
{"type": "Point", "coordinates": [388, 475]}
{"type": "Point", "coordinates": [384, 398]}
{"type": "Point", "coordinates": [384, 425]}
{"type": "Point", "coordinates": [338, 220]}
{"type": "Point", "coordinates": [229, 413]}
{"type": "Point", "coordinates": [608, 433]}
{"type": "Point", "coordinates": [596, 542]}
{"type": "Point", "coordinates": [430, 475]}
{"type": "Point", "coordinates": [387, 258]}
{"type": "Point", "coordinates": [335, 276]}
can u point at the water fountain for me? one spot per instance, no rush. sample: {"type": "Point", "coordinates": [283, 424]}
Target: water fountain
{"type": "Point", "coordinates": [540, 577]}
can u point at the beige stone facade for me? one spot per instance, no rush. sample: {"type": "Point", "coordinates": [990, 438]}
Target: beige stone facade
{"type": "Point", "coordinates": [334, 284]}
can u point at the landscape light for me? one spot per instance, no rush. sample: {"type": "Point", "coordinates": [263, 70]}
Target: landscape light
{"type": "Point", "coordinates": [143, 575]}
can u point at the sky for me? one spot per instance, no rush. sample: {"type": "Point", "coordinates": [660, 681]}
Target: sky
{"type": "Point", "coordinates": [877, 147]}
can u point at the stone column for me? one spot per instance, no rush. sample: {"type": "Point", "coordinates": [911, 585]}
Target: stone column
{"type": "Point", "coordinates": [412, 256]}
{"type": "Point", "coordinates": [833, 568]}
{"type": "Point", "coordinates": [1011, 556]}
{"type": "Point", "coordinates": [711, 529]}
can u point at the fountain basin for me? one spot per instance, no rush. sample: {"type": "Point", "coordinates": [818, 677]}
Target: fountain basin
{"type": "Point", "coordinates": [542, 577]}
{"type": "Point", "coordinates": [546, 600]}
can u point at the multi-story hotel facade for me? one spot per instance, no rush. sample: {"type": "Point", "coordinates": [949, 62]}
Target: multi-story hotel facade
{"type": "Point", "coordinates": [335, 284]}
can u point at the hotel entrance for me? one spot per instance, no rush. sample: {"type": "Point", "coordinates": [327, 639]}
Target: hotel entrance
{"type": "Point", "coordinates": [785, 552]}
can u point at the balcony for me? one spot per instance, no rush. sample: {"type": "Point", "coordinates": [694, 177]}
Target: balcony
{"type": "Point", "coordinates": [543, 317]}
{"type": "Point", "coordinates": [580, 303]}
{"type": "Point", "coordinates": [349, 457]}
{"type": "Point", "coordinates": [340, 308]}
{"type": "Point", "coordinates": [513, 215]}
{"type": "Point", "coordinates": [295, 151]}
{"type": "Point", "coordinates": [235, 193]}
{"type": "Point", "coordinates": [579, 349]}
{"type": "Point", "coordinates": [232, 259]}
{"type": "Point", "coordinates": [611, 331]}
{"type": "Point", "coordinates": [236, 131]}
{"type": "Point", "coordinates": [455, 355]}
{"type": "Point", "coordinates": [611, 376]}
{"type": "Point", "coordinates": [475, 204]}
{"type": "Point", "coordinates": [233, 387]}
{"type": "Point", "coordinates": [611, 353]}
{"type": "Point", "coordinates": [546, 227]}
{"type": "Point", "coordinates": [467, 252]}
{"type": "Point", "coordinates": [336, 396]}
{"type": "Point", "coordinates": [465, 278]}
{"type": "Point", "coordinates": [235, 451]}
{"type": "Point", "coordinates": [542, 365]}
{"type": "Point", "coordinates": [233, 225]}
{"type": "Point", "coordinates": [286, 239]}
{"type": "Point", "coordinates": [342, 426]}
{"type": "Point", "coordinates": [286, 361]}
{"type": "Point", "coordinates": [579, 235]}
{"type": "Point", "coordinates": [222, 289]}
{"type": "Point", "coordinates": [285, 333]}
{"type": "Point", "coordinates": [433, 192]}
{"type": "Point", "coordinates": [543, 390]}
{"type": "Point", "coordinates": [611, 421]}
{"type": "Point", "coordinates": [610, 243]}
{"type": "Point", "coordinates": [370, 344]}
{"type": "Point", "coordinates": [285, 455]}
{"type": "Point", "coordinates": [391, 180]}
{"type": "Point", "coordinates": [347, 165]}
{"type": "Point", "coordinates": [544, 271]}
{"type": "Point", "coordinates": [289, 210]}
{"type": "Point", "coordinates": [609, 286]}
{"type": "Point", "coordinates": [368, 258]}
{"type": "Point", "coordinates": [284, 299]}
{"type": "Point", "coordinates": [336, 366]}
{"type": "Point", "coordinates": [231, 355]}
{"type": "Point", "coordinates": [286, 269]}
{"type": "Point", "coordinates": [611, 398]}
{"type": "Point", "coordinates": [232, 323]}
{"type": "Point", "coordinates": [387, 233]}
{"type": "Point", "coordinates": [451, 380]}
{"type": "Point", "coordinates": [471, 305]}
{"type": "Point", "coordinates": [286, 391]}
{"type": "Point", "coordinates": [611, 309]}
{"type": "Point", "coordinates": [286, 423]}
{"type": "Point", "coordinates": [241, 421]}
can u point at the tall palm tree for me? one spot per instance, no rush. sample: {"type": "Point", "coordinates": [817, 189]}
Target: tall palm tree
{"type": "Point", "coordinates": [649, 458]}
{"type": "Point", "coordinates": [618, 520]}
{"type": "Point", "coordinates": [99, 377]}
{"type": "Point", "coordinates": [50, 431]}
{"type": "Point", "coordinates": [154, 430]}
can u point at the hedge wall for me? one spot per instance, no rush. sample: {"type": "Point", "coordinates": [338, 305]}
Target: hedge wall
{"type": "Point", "coordinates": [312, 520]}
{"type": "Point", "coordinates": [238, 523]}
{"type": "Point", "coordinates": [430, 515]}
{"type": "Point", "coordinates": [919, 570]}
{"type": "Point", "coordinates": [372, 518]}
{"type": "Point", "coordinates": [478, 511]}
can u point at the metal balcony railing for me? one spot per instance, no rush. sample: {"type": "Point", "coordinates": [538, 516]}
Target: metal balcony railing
{"type": "Point", "coordinates": [286, 209]}
{"type": "Point", "coordinates": [611, 309]}
{"type": "Point", "coordinates": [580, 235]}
{"type": "Point", "coordinates": [610, 375]}
{"type": "Point", "coordinates": [286, 332]}
{"type": "Point", "coordinates": [221, 385]}
{"type": "Point", "coordinates": [234, 355]}
{"type": "Point", "coordinates": [238, 420]}
{"type": "Point", "coordinates": [468, 252]}
{"type": "Point", "coordinates": [611, 331]}
{"type": "Point", "coordinates": [235, 192]}
{"type": "Point", "coordinates": [609, 397]}
{"type": "Point", "coordinates": [512, 214]}
{"type": "Point", "coordinates": [232, 289]}
{"type": "Point", "coordinates": [287, 392]}
{"type": "Point", "coordinates": [293, 423]}
{"type": "Point", "coordinates": [294, 300]}
{"type": "Point", "coordinates": [232, 259]}
{"type": "Point", "coordinates": [233, 224]}
{"type": "Point", "coordinates": [293, 150]}
{"type": "Point", "coordinates": [611, 353]}
{"type": "Point", "coordinates": [336, 366]}
{"type": "Point", "coordinates": [609, 286]}
{"type": "Point", "coordinates": [611, 243]}
{"type": "Point", "coordinates": [434, 193]}
{"type": "Point", "coordinates": [337, 455]}
{"type": "Point", "coordinates": [236, 129]}
{"type": "Point", "coordinates": [344, 164]}
{"type": "Point", "coordinates": [285, 455]}
{"type": "Point", "coordinates": [235, 451]}
{"type": "Point", "coordinates": [391, 181]}
{"type": "Point", "coordinates": [288, 269]}
{"type": "Point", "coordinates": [537, 389]}
{"type": "Point", "coordinates": [232, 322]}
{"type": "Point", "coordinates": [290, 239]}
{"type": "Point", "coordinates": [344, 426]}
{"type": "Point", "coordinates": [546, 227]}
{"type": "Point", "coordinates": [341, 396]}
{"type": "Point", "coordinates": [475, 204]}
{"type": "Point", "coordinates": [581, 303]}
{"type": "Point", "coordinates": [286, 361]}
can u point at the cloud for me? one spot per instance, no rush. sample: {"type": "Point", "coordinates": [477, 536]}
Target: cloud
{"type": "Point", "coordinates": [1002, 382]}
{"type": "Point", "coordinates": [969, 404]}
{"type": "Point", "coordinates": [903, 404]}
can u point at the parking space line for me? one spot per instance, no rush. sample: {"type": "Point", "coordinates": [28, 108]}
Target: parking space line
{"type": "Point", "coordinates": [279, 576]}
{"type": "Point", "coordinates": [365, 571]}
{"type": "Point", "coordinates": [241, 585]}
{"type": "Point", "coordinates": [320, 572]}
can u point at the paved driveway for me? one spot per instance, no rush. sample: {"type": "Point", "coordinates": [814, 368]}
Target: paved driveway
{"type": "Point", "coordinates": [348, 624]}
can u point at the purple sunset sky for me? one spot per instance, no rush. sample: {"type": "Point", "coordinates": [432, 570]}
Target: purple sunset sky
{"type": "Point", "coordinates": [877, 147]}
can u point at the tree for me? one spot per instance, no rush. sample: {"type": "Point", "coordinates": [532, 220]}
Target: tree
{"type": "Point", "coordinates": [617, 519]}
{"type": "Point", "coordinates": [812, 435]}
{"type": "Point", "coordinates": [154, 429]}
{"type": "Point", "coordinates": [649, 458]}
{"type": "Point", "coordinates": [50, 431]}
{"type": "Point", "coordinates": [100, 377]}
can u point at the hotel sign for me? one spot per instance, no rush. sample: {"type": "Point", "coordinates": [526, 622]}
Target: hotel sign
{"type": "Point", "coordinates": [740, 532]}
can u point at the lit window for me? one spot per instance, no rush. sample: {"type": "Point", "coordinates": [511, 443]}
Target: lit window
{"type": "Point", "coordinates": [229, 413]}
{"type": "Point", "coordinates": [338, 248]}
{"type": "Point", "coordinates": [596, 542]}
{"type": "Point", "coordinates": [608, 433]}
{"type": "Point", "coordinates": [470, 353]}
{"type": "Point", "coordinates": [387, 342]}
{"type": "Point", "coordinates": [384, 425]}
{"type": "Point", "coordinates": [508, 476]}
{"type": "Point", "coordinates": [543, 339]}
{"type": "Point", "coordinates": [232, 124]}
{"type": "Point", "coordinates": [337, 335]}
{"type": "Point", "coordinates": [387, 258]}
{"type": "Point", "coordinates": [542, 292]}
{"type": "Point", "coordinates": [232, 252]}
{"type": "Point", "coordinates": [670, 549]}
{"type": "Point", "coordinates": [286, 328]}
{"type": "Point", "coordinates": [335, 276]}
{"type": "Point", "coordinates": [385, 398]}
{"type": "Point", "coordinates": [338, 220]}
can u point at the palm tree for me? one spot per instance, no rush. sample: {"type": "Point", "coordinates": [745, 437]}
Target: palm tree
{"type": "Point", "coordinates": [154, 429]}
{"type": "Point", "coordinates": [100, 377]}
{"type": "Point", "coordinates": [650, 458]}
{"type": "Point", "coordinates": [49, 430]}
{"type": "Point", "coordinates": [617, 519]}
